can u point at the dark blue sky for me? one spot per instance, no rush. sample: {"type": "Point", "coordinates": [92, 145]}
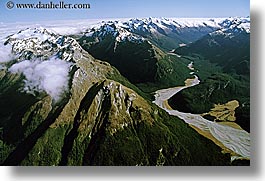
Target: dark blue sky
{"type": "Point", "coordinates": [128, 8]}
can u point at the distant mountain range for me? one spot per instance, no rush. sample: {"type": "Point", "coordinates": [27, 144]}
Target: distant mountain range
{"type": "Point", "coordinates": [86, 98]}
{"type": "Point", "coordinates": [118, 42]}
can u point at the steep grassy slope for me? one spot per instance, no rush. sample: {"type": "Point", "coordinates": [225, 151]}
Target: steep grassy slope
{"type": "Point", "coordinates": [141, 63]}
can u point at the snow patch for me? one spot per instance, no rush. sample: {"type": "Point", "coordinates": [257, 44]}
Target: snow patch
{"type": "Point", "coordinates": [182, 45]}
{"type": "Point", "coordinates": [39, 33]}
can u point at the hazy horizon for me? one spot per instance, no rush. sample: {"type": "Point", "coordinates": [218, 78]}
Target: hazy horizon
{"type": "Point", "coordinates": [106, 9]}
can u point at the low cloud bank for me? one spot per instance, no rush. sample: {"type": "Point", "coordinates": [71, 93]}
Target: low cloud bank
{"type": "Point", "coordinates": [6, 53]}
{"type": "Point", "coordinates": [51, 76]}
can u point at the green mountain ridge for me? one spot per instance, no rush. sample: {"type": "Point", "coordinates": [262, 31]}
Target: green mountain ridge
{"type": "Point", "coordinates": [98, 122]}
{"type": "Point", "coordinates": [142, 63]}
{"type": "Point", "coordinates": [232, 53]}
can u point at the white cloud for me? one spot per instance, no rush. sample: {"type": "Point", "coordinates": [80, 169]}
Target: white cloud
{"type": "Point", "coordinates": [50, 76]}
{"type": "Point", "coordinates": [6, 53]}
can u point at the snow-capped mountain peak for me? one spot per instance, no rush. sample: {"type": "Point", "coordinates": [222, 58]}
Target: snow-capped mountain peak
{"type": "Point", "coordinates": [230, 26]}
{"type": "Point", "coordinates": [39, 42]}
{"type": "Point", "coordinates": [115, 29]}
{"type": "Point", "coordinates": [179, 30]}
{"type": "Point", "coordinates": [39, 33]}
{"type": "Point", "coordinates": [44, 58]}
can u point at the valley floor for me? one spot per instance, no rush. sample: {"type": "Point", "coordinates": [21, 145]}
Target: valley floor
{"type": "Point", "coordinates": [232, 139]}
